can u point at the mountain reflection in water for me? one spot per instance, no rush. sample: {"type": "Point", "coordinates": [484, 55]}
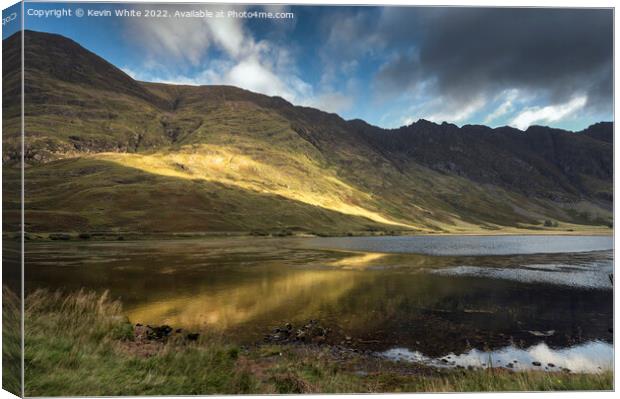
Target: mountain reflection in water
{"type": "Point", "coordinates": [431, 304]}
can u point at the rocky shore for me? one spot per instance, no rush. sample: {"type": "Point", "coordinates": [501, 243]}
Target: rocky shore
{"type": "Point", "coordinates": [148, 340]}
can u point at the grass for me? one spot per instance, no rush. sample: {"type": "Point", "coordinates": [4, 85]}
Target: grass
{"type": "Point", "coordinates": [11, 342]}
{"type": "Point", "coordinates": [133, 192]}
{"type": "Point", "coordinates": [92, 195]}
{"type": "Point", "coordinates": [288, 176]}
{"type": "Point", "coordinates": [81, 344]}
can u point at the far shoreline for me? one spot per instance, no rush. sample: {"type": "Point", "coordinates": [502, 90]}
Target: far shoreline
{"type": "Point", "coordinates": [143, 236]}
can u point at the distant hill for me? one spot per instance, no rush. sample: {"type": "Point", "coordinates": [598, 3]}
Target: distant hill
{"type": "Point", "coordinates": [106, 152]}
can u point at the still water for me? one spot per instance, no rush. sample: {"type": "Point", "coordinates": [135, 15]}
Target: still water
{"type": "Point", "coordinates": [407, 298]}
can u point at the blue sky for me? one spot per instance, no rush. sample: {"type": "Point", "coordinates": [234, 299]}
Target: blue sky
{"type": "Point", "coordinates": [388, 66]}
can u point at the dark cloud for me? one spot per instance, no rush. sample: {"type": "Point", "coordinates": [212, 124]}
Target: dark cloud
{"type": "Point", "coordinates": [472, 51]}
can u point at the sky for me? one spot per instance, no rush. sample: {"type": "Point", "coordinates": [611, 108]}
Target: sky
{"type": "Point", "coordinates": [389, 66]}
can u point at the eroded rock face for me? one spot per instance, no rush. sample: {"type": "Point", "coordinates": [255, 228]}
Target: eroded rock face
{"type": "Point", "coordinates": [541, 161]}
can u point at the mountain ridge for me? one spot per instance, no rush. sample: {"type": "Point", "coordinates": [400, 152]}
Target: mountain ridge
{"type": "Point", "coordinates": [424, 177]}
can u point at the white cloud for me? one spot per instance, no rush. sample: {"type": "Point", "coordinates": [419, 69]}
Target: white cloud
{"type": "Point", "coordinates": [505, 107]}
{"type": "Point", "coordinates": [166, 40]}
{"type": "Point", "coordinates": [407, 121]}
{"type": "Point", "coordinates": [131, 72]}
{"type": "Point", "coordinates": [550, 113]}
{"type": "Point", "coordinates": [253, 75]}
{"type": "Point", "coordinates": [258, 66]}
{"type": "Point", "coordinates": [349, 37]}
{"type": "Point", "coordinates": [228, 34]}
{"type": "Point", "coordinates": [331, 102]}
{"type": "Point", "coordinates": [170, 40]}
{"type": "Point", "coordinates": [458, 112]}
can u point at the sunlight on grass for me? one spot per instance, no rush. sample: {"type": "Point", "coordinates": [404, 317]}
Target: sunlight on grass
{"type": "Point", "coordinates": [301, 180]}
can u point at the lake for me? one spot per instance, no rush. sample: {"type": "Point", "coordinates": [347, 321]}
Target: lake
{"type": "Point", "coordinates": [450, 300]}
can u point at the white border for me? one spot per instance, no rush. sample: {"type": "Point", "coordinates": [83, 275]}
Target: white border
{"type": "Point", "coordinates": [482, 3]}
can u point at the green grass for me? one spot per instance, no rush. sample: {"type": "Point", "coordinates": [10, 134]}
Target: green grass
{"type": "Point", "coordinates": [11, 342]}
{"type": "Point", "coordinates": [80, 344]}
{"type": "Point", "coordinates": [86, 195]}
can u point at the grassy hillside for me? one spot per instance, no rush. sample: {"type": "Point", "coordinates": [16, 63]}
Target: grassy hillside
{"type": "Point", "coordinates": [97, 194]}
{"type": "Point", "coordinates": [105, 152]}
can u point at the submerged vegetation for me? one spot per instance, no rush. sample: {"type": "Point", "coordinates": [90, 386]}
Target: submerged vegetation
{"type": "Point", "coordinates": [82, 344]}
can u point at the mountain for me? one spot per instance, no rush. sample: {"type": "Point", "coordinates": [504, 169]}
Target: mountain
{"type": "Point", "coordinates": [602, 131]}
{"type": "Point", "coordinates": [540, 162]}
{"type": "Point", "coordinates": [107, 153]}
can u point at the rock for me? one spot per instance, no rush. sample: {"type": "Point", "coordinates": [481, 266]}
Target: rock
{"type": "Point", "coordinates": [300, 335]}
{"type": "Point", "coordinates": [158, 333]}
{"type": "Point", "coordinates": [312, 332]}
{"type": "Point", "coordinates": [192, 336]}
{"type": "Point", "coordinates": [537, 364]}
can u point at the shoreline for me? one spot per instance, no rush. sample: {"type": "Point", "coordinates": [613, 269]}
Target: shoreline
{"type": "Point", "coordinates": [143, 236]}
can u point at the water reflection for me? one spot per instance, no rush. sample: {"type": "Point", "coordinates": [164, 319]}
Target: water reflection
{"type": "Point", "coordinates": [590, 357]}
{"type": "Point", "coordinates": [244, 287]}
{"type": "Point", "coordinates": [226, 306]}
{"type": "Point", "coordinates": [594, 274]}
{"type": "Point", "coordinates": [359, 261]}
